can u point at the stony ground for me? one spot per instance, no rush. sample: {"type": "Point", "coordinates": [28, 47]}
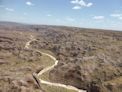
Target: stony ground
{"type": "Point", "coordinates": [88, 58]}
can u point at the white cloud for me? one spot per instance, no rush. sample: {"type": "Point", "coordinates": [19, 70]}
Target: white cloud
{"type": "Point", "coordinates": [118, 16]}
{"type": "Point", "coordinates": [115, 15]}
{"type": "Point", "coordinates": [76, 7]}
{"type": "Point", "coordinates": [75, 1]}
{"type": "Point", "coordinates": [9, 9]}
{"type": "Point", "coordinates": [98, 17]}
{"type": "Point", "coordinates": [29, 3]}
{"type": "Point", "coordinates": [80, 3]}
{"type": "Point", "coordinates": [89, 4]}
{"type": "Point", "coordinates": [49, 15]}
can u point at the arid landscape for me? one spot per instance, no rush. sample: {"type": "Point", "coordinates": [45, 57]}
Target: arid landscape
{"type": "Point", "coordinates": [88, 59]}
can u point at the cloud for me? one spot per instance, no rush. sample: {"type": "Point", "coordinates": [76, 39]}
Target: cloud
{"type": "Point", "coordinates": [75, 1]}
{"type": "Point", "coordinates": [29, 3]}
{"type": "Point", "coordinates": [80, 3]}
{"type": "Point", "coordinates": [48, 15]}
{"type": "Point", "coordinates": [76, 7]}
{"type": "Point", "coordinates": [118, 16]}
{"type": "Point", "coordinates": [98, 17]}
{"type": "Point", "coordinates": [115, 15]}
{"type": "Point", "coordinates": [89, 4]}
{"type": "Point", "coordinates": [9, 9]}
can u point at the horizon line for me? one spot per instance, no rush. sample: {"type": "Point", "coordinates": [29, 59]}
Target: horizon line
{"type": "Point", "coordinates": [41, 24]}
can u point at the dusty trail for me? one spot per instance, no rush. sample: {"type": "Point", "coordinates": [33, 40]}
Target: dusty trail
{"type": "Point", "coordinates": [49, 68]}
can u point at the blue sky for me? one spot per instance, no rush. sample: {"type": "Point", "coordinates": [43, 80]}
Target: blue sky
{"type": "Point", "coordinates": [105, 14]}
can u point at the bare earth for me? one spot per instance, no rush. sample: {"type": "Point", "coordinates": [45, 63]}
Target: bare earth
{"type": "Point", "coordinates": [88, 59]}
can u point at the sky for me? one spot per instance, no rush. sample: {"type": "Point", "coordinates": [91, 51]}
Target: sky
{"type": "Point", "coordinates": [101, 14]}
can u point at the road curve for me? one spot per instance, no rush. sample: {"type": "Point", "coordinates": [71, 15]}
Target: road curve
{"type": "Point", "coordinates": [49, 68]}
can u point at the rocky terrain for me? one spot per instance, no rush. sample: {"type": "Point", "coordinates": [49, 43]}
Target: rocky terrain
{"type": "Point", "coordinates": [16, 64]}
{"type": "Point", "coordinates": [89, 59]}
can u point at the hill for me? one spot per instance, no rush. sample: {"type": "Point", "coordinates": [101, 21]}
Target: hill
{"type": "Point", "coordinates": [89, 59]}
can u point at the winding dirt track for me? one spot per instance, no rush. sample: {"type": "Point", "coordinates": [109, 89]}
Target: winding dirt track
{"type": "Point", "coordinates": [49, 68]}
